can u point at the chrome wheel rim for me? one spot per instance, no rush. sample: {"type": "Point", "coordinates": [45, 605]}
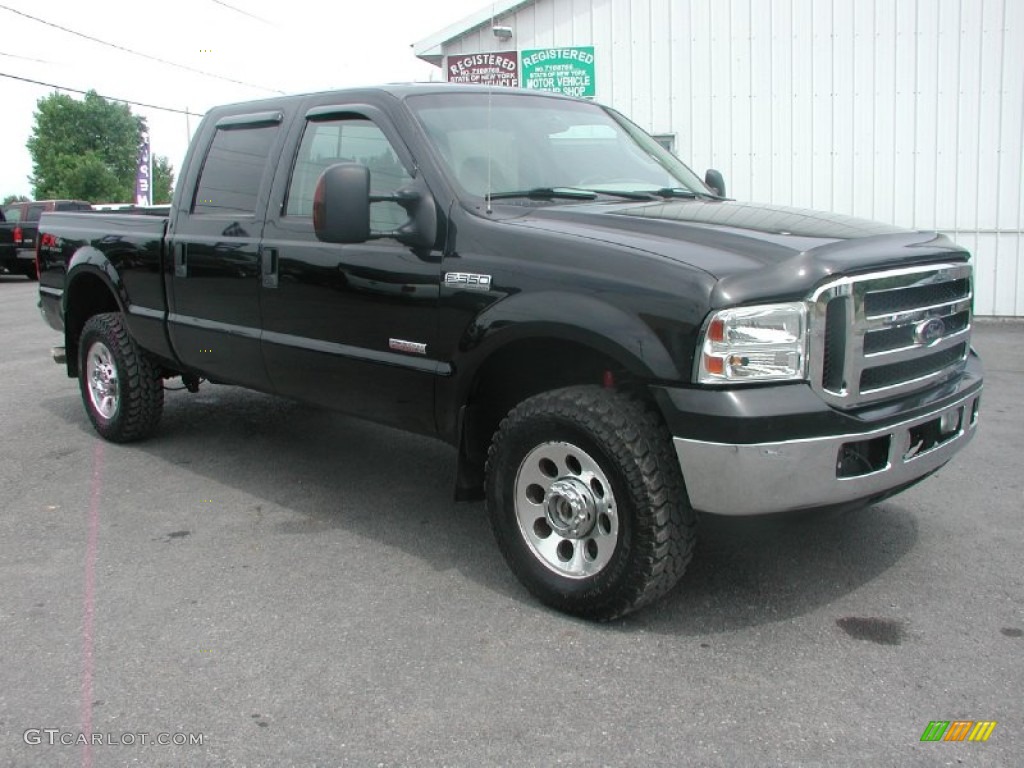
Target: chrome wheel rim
{"type": "Point", "coordinates": [101, 376]}
{"type": "Point", "coordinates": [566, 510]}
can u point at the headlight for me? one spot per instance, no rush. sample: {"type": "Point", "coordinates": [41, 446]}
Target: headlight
{"type": "Point", "coordinates": [753, 344]}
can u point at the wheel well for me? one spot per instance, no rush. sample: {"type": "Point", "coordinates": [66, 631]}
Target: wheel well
{"type": "Point", "coordinates": [513, 374]}
{"type": "Point", "coordinates": [89, 296]}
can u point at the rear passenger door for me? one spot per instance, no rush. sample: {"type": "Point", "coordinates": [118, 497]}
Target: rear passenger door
{"type": "Point", "coordinates": [213, 242]}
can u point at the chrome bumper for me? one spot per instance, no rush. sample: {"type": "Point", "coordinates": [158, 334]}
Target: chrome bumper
{"type": "Point", "coordinates": [762, 478]}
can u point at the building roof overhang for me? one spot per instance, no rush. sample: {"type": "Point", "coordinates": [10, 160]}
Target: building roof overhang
{"type": "Point", "coordinates": [432, 49]}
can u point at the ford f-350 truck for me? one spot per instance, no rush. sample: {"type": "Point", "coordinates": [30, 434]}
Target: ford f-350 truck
{"type": "Point", "coordinates": [610, 344]}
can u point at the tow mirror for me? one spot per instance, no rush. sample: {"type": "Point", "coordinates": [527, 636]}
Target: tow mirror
{"type": "Point", "coordinates": [341, 208]}
{"type": "Point", "coordinates": [341, 204]}
{"type": "Point", "coordinates": [714, 181]}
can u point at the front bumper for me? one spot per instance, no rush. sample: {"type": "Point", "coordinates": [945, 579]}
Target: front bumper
{"type": "Point", "coordinates": [732, 479]}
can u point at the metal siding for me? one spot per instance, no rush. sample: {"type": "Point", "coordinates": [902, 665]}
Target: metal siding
{"type": "Point", "coordinates": [904, 111]}
{"type": "Point", "coordinates": [622, 56]}
{"type": "Point", "coordinates": [762, 86]}
{"type": "Point", "coordinates": [660, 56]}
{"type": "Point", "coordinates": [862, 75]}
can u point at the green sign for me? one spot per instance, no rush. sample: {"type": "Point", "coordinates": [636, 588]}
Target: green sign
{"type": "Point", "coordinates": [559, 70]}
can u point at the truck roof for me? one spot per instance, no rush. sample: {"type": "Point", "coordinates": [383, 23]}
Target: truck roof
{"type": "Point", "coordinates": [398, 90]}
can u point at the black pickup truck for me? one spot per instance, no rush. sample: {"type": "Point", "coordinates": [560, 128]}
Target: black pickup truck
{"type": "Point", "coordinates": [610, 344]}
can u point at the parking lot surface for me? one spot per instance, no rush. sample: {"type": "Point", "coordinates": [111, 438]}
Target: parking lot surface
{"type": "Point", "coordinates": [292, 587]}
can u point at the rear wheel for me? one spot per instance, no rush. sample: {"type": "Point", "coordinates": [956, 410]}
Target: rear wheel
{"type": "Point", "coordinates": [122, 387]}
{"type": "Point", "coordinates": [587, 501]}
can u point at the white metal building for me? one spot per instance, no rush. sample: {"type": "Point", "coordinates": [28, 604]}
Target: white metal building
{"type": "Point", "coordinates": [904, 111]}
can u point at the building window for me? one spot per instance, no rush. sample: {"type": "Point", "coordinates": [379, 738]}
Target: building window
{"type": "Point", "coordinates": [667, 140]}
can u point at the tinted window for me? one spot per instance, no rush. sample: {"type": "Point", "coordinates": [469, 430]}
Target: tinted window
{"type": "Point", "coordinates": [34, 212]}
{"type": "Point", "coordinates": [355, 140]}
{"type": "Point", "coordinates": [231, 175]}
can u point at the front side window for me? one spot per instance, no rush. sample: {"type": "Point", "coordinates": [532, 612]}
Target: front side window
{"type": "Point", "coordinates": [348, 140]}
{"type": "Point", "coordinates": [233, 170]}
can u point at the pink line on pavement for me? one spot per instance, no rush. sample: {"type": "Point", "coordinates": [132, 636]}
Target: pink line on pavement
{"type": "Point", "coordinates": [89, 599]}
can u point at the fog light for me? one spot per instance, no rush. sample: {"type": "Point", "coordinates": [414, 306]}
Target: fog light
{"type": "Point", "coordinates": [949, 422]}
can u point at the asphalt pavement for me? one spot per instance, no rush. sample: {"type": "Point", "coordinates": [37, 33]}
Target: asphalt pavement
{"type": "Point", "coordinates": [266, 584]}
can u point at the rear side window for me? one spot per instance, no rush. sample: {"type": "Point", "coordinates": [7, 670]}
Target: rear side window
{"type": "Point", "coordinates": [230, 180]}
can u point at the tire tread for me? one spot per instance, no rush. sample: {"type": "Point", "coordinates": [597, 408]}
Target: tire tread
{"type": "Point", "coordinates": [142, 393]}
{"type": "Point", "coordinates": [637, 439]}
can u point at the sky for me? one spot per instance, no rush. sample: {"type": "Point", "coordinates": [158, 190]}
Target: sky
{"type": "Point", "coordinates": [294, 46]}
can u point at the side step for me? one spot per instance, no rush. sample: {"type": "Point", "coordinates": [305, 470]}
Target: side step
{"type": "Point", "coordinates": [59, 355]}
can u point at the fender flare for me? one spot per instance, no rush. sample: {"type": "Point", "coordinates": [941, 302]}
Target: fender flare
{"type": "Point", "coordinates": [88, 260]}
{"type": "Point", "coordinates": [572, 317]}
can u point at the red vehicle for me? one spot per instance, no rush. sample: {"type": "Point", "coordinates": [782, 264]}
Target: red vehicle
{"type": "Point", "coordinates": [19, 229]}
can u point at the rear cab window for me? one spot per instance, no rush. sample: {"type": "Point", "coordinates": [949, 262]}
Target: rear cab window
{"type": "Point", "coordinates": [229, 182]}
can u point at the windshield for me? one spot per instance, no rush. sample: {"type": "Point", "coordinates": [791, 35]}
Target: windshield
{"type": "Point", "coordinates": [507, 143]}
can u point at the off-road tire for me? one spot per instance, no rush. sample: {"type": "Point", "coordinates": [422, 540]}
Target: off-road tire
{"type": "Point", "coordinates": [140, 395]}
{"type": "Point", "coordinates": [656, 526]}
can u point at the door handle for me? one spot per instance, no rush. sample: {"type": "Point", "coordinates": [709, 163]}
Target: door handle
{"type": "Point", "coordinates": [180, 263]}
{"type": "Point", "coordinates": [268, 267]}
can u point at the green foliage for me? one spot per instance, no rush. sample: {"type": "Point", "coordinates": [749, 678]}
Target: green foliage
{"type": "Point", "coordinates": [14, 199]}
{"type": "Point", "coordinates": [84, 149]}
{"type": "Point", "coordinates": [163, 180]}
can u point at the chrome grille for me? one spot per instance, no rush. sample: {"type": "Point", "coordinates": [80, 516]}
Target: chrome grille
{"type": "Point", "coordinates": [889, 333]}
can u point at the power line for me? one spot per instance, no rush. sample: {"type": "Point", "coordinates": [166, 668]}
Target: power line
{"type": "Point", "coordinates": [108, 98]}
{"type": "Point", "coordinates": [137, 53]}
{"type": "Point", "coordinates": [24, 58]}
{"type": "Point", "coordinates": [244, 13]}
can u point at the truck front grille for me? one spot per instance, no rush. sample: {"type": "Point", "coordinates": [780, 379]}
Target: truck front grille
{"type": "Point", "coordinates": [889, 333]}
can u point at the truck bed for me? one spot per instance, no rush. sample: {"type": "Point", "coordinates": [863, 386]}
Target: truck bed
{"type": "Point", "coordinates": [133, 243]}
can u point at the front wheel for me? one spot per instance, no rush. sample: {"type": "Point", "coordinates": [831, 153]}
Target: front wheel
{"type": "Point", "coordinates": [587, 502]}
{"type": "Point", "coordinates": [122, 387]}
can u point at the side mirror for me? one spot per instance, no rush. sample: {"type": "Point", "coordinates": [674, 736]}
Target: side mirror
{"type": "Point", "coordinates": [341, 208]}
{"type": "Point", "coordinates": [714, 181]}
{"type": "Point", "coordinates": [420, 231]}
{"type": "Point", "coordinates": [341, 204]}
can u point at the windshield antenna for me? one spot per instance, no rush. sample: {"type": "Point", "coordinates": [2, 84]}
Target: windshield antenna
{"type": "Point", "coordinates": [490, 138]}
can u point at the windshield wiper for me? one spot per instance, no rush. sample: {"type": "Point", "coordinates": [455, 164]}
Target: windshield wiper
{"type": "Point", "coordinates": [628, 194]}
{"type": "Point", "coordinates": [681, 192]}
{"type": "Point", "coordinates": [547, 193]}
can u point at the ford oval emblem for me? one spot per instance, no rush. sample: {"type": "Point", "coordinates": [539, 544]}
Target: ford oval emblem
{"type": "Point", "coordinates": [930, 330]}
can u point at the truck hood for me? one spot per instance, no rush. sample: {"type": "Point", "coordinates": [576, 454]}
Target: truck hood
{"type": "Point", "coordinates": [754, 251]}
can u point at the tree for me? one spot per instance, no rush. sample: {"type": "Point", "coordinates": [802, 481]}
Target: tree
{"type": "Point", "coordinates": [163, 180]}
{"type": "Point", "coordinates": [84, 149]}
{"type": "Point", "coordinates": [14, 199]}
